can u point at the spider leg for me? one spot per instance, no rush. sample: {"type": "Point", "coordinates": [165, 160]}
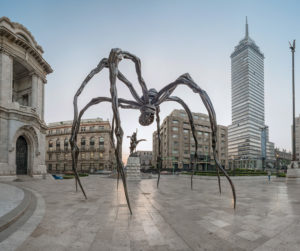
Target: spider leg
{"type": "Point", "coordinates": [137, 63]}
{"type": "Point", "coordinates": [113, 146]}
{"type": "Point", "coordinates": [188, 81]}
{"type": "Point", "coordinates": [159, 160]}
{"type": "Point", "coordinates": [114, 58]}
{"type": "Point", "coordinates": [73, 138]}
{"type": "Point", "coordinates": [219, 180]}
{"type": "Point", "coordinates": [76, 125]}
{"type": "Point", "coordinates": [191, 120]}
{"type": "Point", "coordinates": [123, 79]}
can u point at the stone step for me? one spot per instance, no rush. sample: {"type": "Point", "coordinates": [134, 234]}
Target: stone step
{"type": "Point", "coordinates": [22, 178]}
{"type": "Point", "coordinates": [11, 217]}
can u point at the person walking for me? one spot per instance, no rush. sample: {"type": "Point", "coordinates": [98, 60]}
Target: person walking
{"type": "Point", "coordinates": [269, 175]}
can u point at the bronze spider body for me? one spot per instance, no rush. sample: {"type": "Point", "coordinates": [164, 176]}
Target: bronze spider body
{"type": "Point", "coordinates": [148, 104]}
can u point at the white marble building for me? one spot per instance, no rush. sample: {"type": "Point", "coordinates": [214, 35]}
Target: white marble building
{"type": "Point", "coordinates": [22, 78]}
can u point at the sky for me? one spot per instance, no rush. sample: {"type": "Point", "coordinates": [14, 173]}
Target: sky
{"type": "Point", "coordinates": [171, 38]}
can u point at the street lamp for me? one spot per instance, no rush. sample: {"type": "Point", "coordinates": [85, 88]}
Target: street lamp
{"type": "Point", "coordinates": [277, 164]}
{"type": "Point", "coordinates": [293, 48]}
{"type": "Point", "coordinates": [263, 145]}
{"type": "Point", "coordinates": [233, 166]}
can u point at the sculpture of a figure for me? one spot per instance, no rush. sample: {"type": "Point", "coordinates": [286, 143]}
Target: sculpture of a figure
{"type": "Point", "coordinates": [149, 106]}
{"type": "Point", "coordinates": [134, 142]}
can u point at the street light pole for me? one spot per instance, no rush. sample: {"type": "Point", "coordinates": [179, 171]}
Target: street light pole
{"type": "Point", "coordinates": [263, 146]}
{"type": "Point", "coordinates": [293, 47]}
{"type": "Point", "coordinates": [277, 164]}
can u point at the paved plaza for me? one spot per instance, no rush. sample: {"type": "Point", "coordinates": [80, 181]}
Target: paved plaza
{"type": "Point", "coordinates": [172, 217]}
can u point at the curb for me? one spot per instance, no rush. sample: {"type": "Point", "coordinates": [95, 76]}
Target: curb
{"type": "Point", "coordinates": [261, 177]}
{"type": "Point", "coordinates": [12, 216]}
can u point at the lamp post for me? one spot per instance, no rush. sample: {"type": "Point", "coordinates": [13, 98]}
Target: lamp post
{"type": "Point", "coordinates": [277, 164]}
{"type": "Point", "coordinates": [233, 166]}
{"type": "Point", "coordinates": [293, 47]}
{"type": "Point", "coordinates": [263, 146]}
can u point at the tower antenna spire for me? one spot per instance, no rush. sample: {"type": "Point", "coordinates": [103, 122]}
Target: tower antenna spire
{"type": "Point", "coordinates": [247, 29]}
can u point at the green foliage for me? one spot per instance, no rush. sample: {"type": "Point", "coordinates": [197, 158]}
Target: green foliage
{"type": "Point", "coordinates": [72, 176]}
{"type": "Point", "coordinates": [236, 172]}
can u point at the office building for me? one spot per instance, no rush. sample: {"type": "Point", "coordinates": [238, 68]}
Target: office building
{"type": "Point", "coordinates": [178, 145]}
{"type": "Point", "coordinates": [93, 140]}
{"type": "Point", "coordinates": [248, 136]}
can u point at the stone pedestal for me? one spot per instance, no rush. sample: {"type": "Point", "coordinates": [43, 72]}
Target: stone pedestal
{"type": "Point", "coordinates": [133, 169]}
{"type": "Point", "coordinates": [293, 172]}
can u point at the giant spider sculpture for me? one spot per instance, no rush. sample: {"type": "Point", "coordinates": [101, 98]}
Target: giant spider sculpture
{"type": "Point", "coordinates": [148, 104]}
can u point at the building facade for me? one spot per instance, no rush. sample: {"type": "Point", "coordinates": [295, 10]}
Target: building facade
{"type": "Point", "coordinates": [22, 78]}
{"type": "Point", "coordinates": [96, 152]}
{"type": "Point", "coordinates": [248, 137]}
{"type": "Point", "coordinates": [145, 159]}
{"type": "Point", "coordinates": [283, 158]}
{"type": "Point", "coordinates": [178, 145]}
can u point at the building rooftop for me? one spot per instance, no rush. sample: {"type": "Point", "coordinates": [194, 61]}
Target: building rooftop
{"type": "Point", "coordinates": [21, 36]}
{"type": "Point", "coordinates": [177, 112]}
{"type": "Point", "coordinates": [245, 43]}
{"type": "Point", "coordinates": [70, 122]}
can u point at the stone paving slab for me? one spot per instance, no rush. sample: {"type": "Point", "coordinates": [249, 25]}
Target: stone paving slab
{"type": "Point", "coordinates": [172, 217]}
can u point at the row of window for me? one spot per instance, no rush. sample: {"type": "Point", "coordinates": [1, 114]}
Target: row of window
{"type": "Point", "coordinates": [175, 151]}
{"type": "Point", "coordinates": [67, 156]}
{"type": "Point", "coordinates": [176, 136]}
{"type": "Point", "coordinates": [82, 129]}
{"type": "Point", "coordinates": [196, 117]}
{"type": "Point", "coordinates": [177, 144]}
{"type": "Point", "coordinates": [186, 131]}
{"type": "Point", "coordinates": [91, 128]}
{"type": "Point", "coordinates": [82, 142]}
{"type": "Point", "coordinates": [81, 167]}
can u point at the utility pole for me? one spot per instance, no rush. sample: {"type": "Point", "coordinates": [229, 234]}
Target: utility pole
{"type": "Point", "coordinates": [293, 47]}
{"type": "Point", "coordinates": [263, 146]}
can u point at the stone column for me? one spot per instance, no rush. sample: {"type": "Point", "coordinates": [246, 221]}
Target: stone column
{"type": "Point", "coordinates": [43, 101]}
{"type": "Point", "coordinates": [3, 144]}
{"type": "Point", "coordinates": [40, 97]}
{"type": "Point", "coordinates": [6, 79]}
{"type": "Point", "coordinates": [37, 95]}
{"type": "Point", "coordinates": [34, 95]}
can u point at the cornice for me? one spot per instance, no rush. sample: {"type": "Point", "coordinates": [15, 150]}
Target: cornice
{"type": "Point", "coordinates": [17, 40]}
{"type": "Point", "coordinates": [20, 27]}
{"type": "Point", "coordinates": [246, 43]}
{"type": "Point", "coordinates": [26, 116]}
{"type": "Point", "coordinates": [33, 69]}
{"type": "Point", "coordinates": [248, 46]}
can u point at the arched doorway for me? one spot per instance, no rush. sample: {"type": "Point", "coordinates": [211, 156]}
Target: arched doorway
{"type": "Point", "coordinates": [21, 155]}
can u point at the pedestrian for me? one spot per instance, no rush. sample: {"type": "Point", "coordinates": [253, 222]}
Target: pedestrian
{"type": "Point", "coordinates": [269, 175]}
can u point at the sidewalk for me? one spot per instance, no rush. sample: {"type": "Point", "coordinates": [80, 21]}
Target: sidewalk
{"type": "Point", "coordinates": [172, 217]}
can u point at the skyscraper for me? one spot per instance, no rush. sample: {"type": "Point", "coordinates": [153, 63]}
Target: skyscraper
{"type": "Point", "coordinates": [248, 137]}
